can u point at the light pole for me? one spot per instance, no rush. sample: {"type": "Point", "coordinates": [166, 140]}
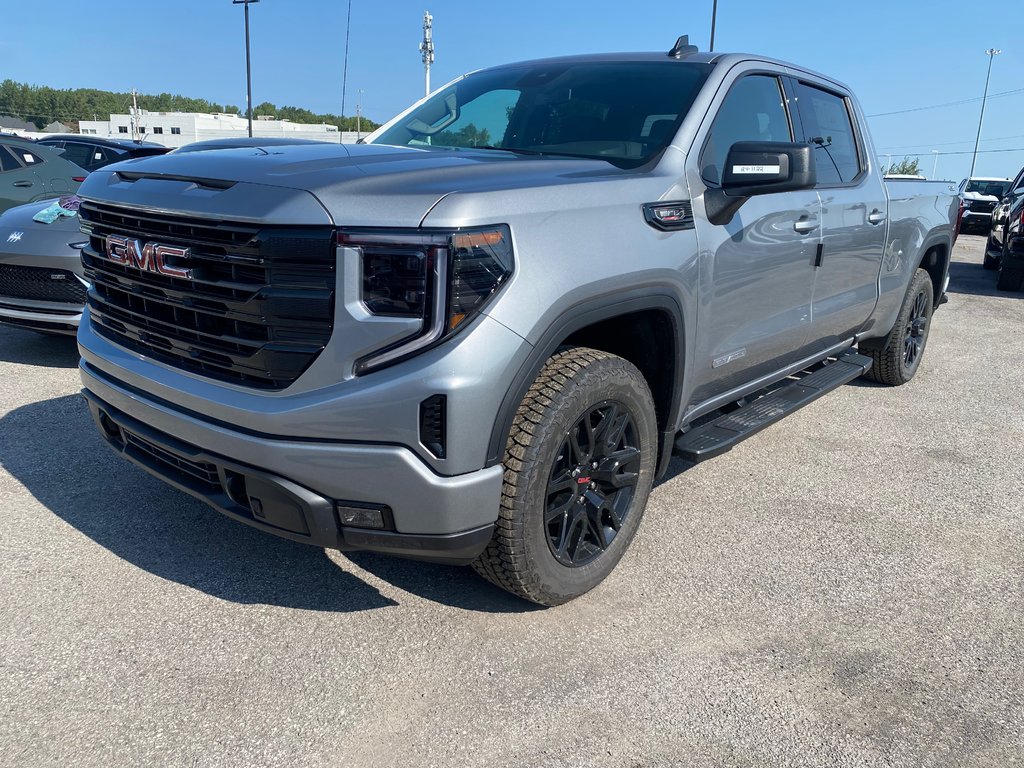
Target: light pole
{"type": "Point", "coordinates": [935, 165]}
{"type": "Point", "coordinates": [714, 16]}
{"type": "Point", "coordinates": [992, 53]}
{"type": "Point", "coordinates": [248, 63]}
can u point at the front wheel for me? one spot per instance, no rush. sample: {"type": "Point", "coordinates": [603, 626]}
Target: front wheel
{"type": "Point", "coordinates": [898, 360]}
{"type": "Point", "coordinates": [579, 465]}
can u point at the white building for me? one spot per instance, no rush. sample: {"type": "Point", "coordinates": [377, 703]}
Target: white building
{"type": "Point", "coordinates": [174, 129]}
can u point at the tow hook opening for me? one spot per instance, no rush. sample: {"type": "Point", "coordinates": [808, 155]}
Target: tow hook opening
{"type": "Point", "coordinates": [110, 430]}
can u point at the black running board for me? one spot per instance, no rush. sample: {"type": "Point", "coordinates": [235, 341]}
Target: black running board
{"type": "Point", "coordinates": [716, 437]}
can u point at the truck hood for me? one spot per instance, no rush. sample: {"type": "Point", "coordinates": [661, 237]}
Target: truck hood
{"type": "Point", "coordinates": [357, 185]}
{"type": "Point", "coordinates": [979, 196]}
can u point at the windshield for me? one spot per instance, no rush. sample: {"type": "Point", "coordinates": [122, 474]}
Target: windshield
{"type": "Point", "coordinates": [622, 112]}
{"type": "Point", "coordinates": [989, 188]}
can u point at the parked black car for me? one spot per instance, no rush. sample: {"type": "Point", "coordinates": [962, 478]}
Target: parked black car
{"type": "Point", "coordinates": [1005, 248]}
{"type": "Point", "coordinates": [92, 152]}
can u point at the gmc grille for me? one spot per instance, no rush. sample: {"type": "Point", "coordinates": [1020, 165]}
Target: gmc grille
{"type": "Point", "coordinates": [257, 310]}
{"type": "Point", "coordinates": [40, 284]}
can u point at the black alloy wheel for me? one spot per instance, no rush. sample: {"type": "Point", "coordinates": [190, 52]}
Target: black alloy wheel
{"type": "Point", "coordinates": [897, 356]}
{"type": "Point", "coordinates": [916, 332]}
{"type": "Point", "coordinates": [579, 465]}
{"type": "Point", "coordinates": [592, 484]}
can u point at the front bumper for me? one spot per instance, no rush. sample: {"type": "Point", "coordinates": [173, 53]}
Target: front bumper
{"type": "Point", "coordinates": [297, 484]}
{"type": "Point", "coordinates": [975, 220]}
{"type": "Point", "coordinates": [49, 317]}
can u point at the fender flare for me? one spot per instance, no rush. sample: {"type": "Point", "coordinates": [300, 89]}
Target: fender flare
{"type": "Point", "coordinates": [577, 317]}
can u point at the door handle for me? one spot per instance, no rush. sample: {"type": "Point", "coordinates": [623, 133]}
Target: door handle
{"type": "Point", "coordinates": [805, 225]}
{"type": "Point", "coordinates": [22, 184]}
{"type": "Point", "coordinates": [876, 217]}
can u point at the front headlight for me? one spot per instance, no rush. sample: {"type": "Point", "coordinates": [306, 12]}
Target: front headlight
{"type": "Point", "coordinates": [443, 278]}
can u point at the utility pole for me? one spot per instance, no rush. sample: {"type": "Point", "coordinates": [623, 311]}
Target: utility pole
{"type": "Point", "coordinates": [135, 116]}
{"type": "Point", "coordinates": [935, 165]}
{"type": "Point", "coordinates": [344, 74]}
{"type": "Point", "coordinates": [248, 62]}
{"type": "Point", "coordinates": [427, 49]}
{"type": "Point", "coordinates": [992, 53]}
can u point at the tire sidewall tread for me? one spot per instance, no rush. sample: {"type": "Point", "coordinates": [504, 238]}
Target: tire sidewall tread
{"type": "Point", "coordinates": [572, 381]}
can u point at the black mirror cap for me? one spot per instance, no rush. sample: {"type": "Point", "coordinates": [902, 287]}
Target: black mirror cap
{"type": "Point", "coordinates": [765, 167]}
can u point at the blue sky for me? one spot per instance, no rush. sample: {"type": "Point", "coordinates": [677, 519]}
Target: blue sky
{"type": "Point", "coordinates": [896, 55]}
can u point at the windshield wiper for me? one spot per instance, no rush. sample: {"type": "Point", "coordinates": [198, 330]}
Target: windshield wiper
{"type": "Point", "coordinates": [514, 150]}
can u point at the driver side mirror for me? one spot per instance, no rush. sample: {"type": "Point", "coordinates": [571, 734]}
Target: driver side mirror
{"type": "Point", "coordinates": [759, 168]}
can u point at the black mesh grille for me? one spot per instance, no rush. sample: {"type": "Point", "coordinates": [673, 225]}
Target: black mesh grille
{"type": "Point", "coordinates": [40, 284]}
{"type": "Point", "coordinates": [202, 471]}
{"type": "Point", "coordinates": [257, 310]}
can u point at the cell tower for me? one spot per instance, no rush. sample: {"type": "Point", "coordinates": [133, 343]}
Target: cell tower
{"type": "Point", "coordinates": [427, 49]}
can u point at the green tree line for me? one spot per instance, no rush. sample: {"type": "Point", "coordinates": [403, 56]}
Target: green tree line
{"type": "Point", "coordinates": [42, 105]}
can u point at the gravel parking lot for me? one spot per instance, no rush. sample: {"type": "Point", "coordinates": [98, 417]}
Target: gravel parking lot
{"type": "Point", "coordinates": [844, 589]}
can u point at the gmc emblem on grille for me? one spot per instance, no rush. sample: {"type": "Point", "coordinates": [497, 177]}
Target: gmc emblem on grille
{"type": "Point", "coordinates": [151, 257]}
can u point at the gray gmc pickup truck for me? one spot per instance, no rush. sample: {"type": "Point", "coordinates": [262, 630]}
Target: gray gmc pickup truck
{"type": "Point", "coordinates": [481, 336]}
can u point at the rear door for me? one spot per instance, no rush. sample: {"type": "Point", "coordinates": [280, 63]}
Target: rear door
{"type": "Point", "coordinates": [756, 271]}
{"type": "Point", "coordinates": [18, 182]}
{"type": "Point", "coordinates": [854, 207]}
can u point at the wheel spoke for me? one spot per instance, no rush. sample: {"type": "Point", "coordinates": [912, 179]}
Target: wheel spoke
{"type": "Point", "coordinates": [602, 435]}
{"type": "Point", "coordinates": [562, 482]}
{"type": "Point", "coordinates": [573, 535]}
{"type": "Point", "coordinates": [597, 529]}
{"type": "Point", "coordinates": [579, 453]}
{"type": "Point", "coordinates": [559, 510]}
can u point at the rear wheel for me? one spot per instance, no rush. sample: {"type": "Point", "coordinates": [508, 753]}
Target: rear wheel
{"type": "Point", "coordinates": [1009, 278]}
{"type": "Point", "coordinates": [579, 465]}
{"type": "Point", "coordinates": [898, 360]}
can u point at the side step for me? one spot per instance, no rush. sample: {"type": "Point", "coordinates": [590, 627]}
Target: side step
{"type": "Point", "coordinates": [716, 437]}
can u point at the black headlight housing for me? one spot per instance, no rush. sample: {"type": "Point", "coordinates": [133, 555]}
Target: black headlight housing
{"type": "Point", "coordinates": [444, 278]}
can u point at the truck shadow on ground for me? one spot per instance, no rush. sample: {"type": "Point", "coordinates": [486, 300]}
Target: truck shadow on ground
{"type": "Point", "coordinates": [972, 279]}
{"type": "Point", "coordinates": [30, 348]}
{"type": "Point", "coordinates": [53, 449]}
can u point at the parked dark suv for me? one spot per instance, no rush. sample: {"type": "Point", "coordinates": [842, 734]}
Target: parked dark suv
{"type": "Point", "coordinates": [1005, 248]}
{"type": "Point", "coordinates": [92, 152]}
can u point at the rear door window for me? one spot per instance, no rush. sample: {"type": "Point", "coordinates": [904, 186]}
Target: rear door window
{"type": "Point", "coordinates": [7, 161]}
{"type": "Point", "coordinates": [828, 128]}
{"type": "Point", "coordinates": [79, 154]}
{"type": "Point", "coordinates": [753, 110]}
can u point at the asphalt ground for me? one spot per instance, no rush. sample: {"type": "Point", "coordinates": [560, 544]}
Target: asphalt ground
{"type": "Point", "coordinates": [844, 589]}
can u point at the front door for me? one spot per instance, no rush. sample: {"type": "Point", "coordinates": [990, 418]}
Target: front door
{"type": "Point", "coordinates": [756, 273]}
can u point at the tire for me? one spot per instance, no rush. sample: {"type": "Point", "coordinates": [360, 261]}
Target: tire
{"type": "Point", "coordinates": [1009, 279]}
{"type": "Point", "coordinates": [583, 444]}
{"type": "Point", "coordinates": [990, 262]}
{"type": "Point", "coordinates": [897, 361]}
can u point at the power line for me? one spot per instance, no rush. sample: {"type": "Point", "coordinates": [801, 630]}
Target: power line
{"type": "Point", "coordinates": [963, 152]}
{"type": "Point", "coordinates": [948, 143]}
{"type": "Point", "coordinates": [948, 104]}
